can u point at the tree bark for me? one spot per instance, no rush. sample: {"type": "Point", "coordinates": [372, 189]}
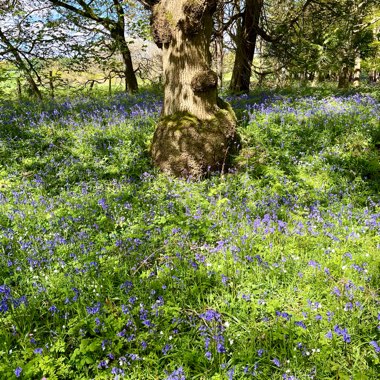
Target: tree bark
{"type": "Point", "coordinates": [245, 46]}
{"type": "Point", "coordinates": [357, 71]}
{"type": "Point", "coordinates": [19, 90]}
{"type": "Point", "coordinates": [51, 84]}
{"type": "Point", "coordinates": [118, 32]}
{"type": "Point", "coordinates": [219, 54]}
{"type": "Point", "coordinates": [343, 77]}
{"type": "Point", "coordinates": [197, 130]}
{"type": "Point", "coordinates": [131, 85]}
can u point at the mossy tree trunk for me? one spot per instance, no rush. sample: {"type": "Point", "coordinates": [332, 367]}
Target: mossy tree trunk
{"type": "Point", "coordinates": [196, 132]}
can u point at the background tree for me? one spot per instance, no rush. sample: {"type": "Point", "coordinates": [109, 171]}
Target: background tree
{"type": "Point", "coordinates": [246, 36]}
{"type": "Point", "coordinates": [26, 39]}
{"type": "Point", "coordinates": [325, 39]}
{"type": "Point", "coordinates": [110, 16]}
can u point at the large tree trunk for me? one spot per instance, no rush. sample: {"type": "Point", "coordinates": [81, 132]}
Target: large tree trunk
{"type": "Point", "coordinates": [196, 132]}
{"type": "Point", "coordinates": [245, 46]}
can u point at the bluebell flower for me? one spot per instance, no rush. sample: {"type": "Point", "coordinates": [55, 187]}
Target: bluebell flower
{"type": "Point", "coordinates": [374, 344]}
{"type": "Point", "coordinates": [343, 333]}
{"type": "Point", "coordinates": [300, 324]}
{"type": "Point", "coordinates": [38, 351]}
{"type": "Point", "coordinates": [211, 315]}
{"type": "Point", "coordinates": [103, 364]}
{"type": "Point", "coordinates": [167, 348]}
{"type": "Point", "coordinates": [177, 374]}
{"type": "Point", "coordinates": [348, 306]}
{"type": "Point", "coordinates": [115, 370]}
{"type": "Point", "coordinates": [93, 310]}
{"type": "Point", "coordinates": [276, 362]}
{"type": "Point", "coordinates": [18, 371]}
{"type": "Point", "coordinates": [53, 309]}
{"type": "Point", "coordinates": [220, 347]}
{"type": "Point", "coordinates": [102, 203]}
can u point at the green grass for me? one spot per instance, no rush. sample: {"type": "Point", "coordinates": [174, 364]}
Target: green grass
{"type": "Point", "coordinates": [271, 271]}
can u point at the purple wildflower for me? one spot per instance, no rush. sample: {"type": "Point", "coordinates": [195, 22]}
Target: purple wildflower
{"type": "Point", "coordinates": [300, 324]}
{"type": "Point", "coordinates": [336, 291]}
{"type": "Point", "coordinates": [18, 371]}
{"type": "Point", "coordinates": [177, 374]}
{"type": "Point", "coordinates": [103, 364]}
{"type": "Point", "coordinates": [374, 344]}
{"type": "Point", "coordinates": [167, 348]}
{"type": "Point", "coordinates": [93, 310]}
{"type": "Point", "coordinates": [211, 315]}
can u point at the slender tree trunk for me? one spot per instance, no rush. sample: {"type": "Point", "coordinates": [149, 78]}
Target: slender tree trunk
{"type": "Point", "coordinates": [51, 84]}
{"type": "Point", "coordinates": [357, 71]}
{"type": "Point", "coordinates": [131, 85]}
{"type": "Point", "coordinates": [245, 46]}
{"type": "Point", "coordinates": [343, 77]}
{"type": "Point", "coordinates": [197, 130]}
{"type": "Point", "coordinates": [19, 90]}
{"type": "Point", "coordinates": [316, 79]}
{"type": "Point", "coordinates": [219, 54]}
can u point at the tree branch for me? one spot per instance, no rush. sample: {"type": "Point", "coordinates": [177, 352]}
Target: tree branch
{"type": "Point", "coordinates": [86, 12]}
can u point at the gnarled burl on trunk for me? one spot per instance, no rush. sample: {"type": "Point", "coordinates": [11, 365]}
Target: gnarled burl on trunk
{"type": "Point", "coordinates": [197, 130]}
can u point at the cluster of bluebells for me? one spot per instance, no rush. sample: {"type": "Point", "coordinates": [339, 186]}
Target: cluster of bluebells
{"type": "Point", "coordinates": [340, 332]}
{"type": "Point", "coordinates": [212, 330]}
{"type": "Point", "coordinates": [7, 300]}
{"type": "Point", "coordinates": [177, 374]}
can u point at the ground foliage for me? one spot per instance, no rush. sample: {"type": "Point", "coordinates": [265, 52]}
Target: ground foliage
{"type": "Point", "coordinates": [109, 269]}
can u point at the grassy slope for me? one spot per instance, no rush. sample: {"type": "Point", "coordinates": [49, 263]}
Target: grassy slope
{"type": "Point", "coordinates": [108, 267]}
